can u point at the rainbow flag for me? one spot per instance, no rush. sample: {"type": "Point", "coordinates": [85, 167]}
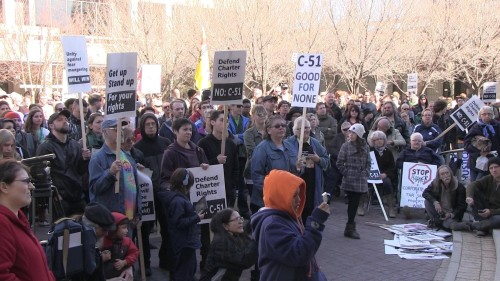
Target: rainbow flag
{"type": "Point", "coordinates": [202, 75]}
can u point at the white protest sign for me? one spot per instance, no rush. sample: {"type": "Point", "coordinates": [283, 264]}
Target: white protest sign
{"type": "Point", "coordinates": [76, 63]}
{"type": "Point", "coordinates": [307, 80]}
{"type": "Point", "coordinates": [146, 192]}
{"type": "Point", "coordinates": [121, 86]}
{"type": "Point", "coordinates": [465, 169]}
{"type": "Point", "coordinates": [228, 77]}
{"type": "Point", "coordinates": [490, 91]}
{"type": "Point", "coordinates": [209, 186]}
{"type": "Point", "coordinates": [374, 176]}
{"type": "Point", "coordinates": [150, 78]}
{"type": "Point", "coordinates": [468, 113]}
{"type": "Point", "coordinates": [412, 83]}
{"type": "Point", "coordinates": [380, 87]}
{"type": "Point", "coordinates": [414, 179]}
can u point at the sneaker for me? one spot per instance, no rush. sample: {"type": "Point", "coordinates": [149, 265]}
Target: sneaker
{"type": "Point", "coordinates": [44, 223]}
{"type": "Point", "coordinates": [480, 233]}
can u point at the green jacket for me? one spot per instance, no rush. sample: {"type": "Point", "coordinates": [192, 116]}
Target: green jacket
{"type": "Point", "coordinates": [491, 192]}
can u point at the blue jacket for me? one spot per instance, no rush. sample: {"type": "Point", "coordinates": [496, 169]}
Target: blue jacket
{"type": "Point", "coordinates": [238, 138]}
{"type": "Point", "coordinates": [102, 183]}
{"type": "Point", "coordinates": [319, 167]}
{"type": "Point", "coordinates": [266, 157]}
{"type": "Point", "coordinates": [285, 252]}
{"type": "Point", "coordinates": [423, 155]}
{"type": "Point", "coordinates": [429, 134]}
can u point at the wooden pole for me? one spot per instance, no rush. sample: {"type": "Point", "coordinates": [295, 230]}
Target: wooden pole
{"type": "Point", "coordinates": [301, 139]}
{"type": "Point", "coordinates": [224, 132]}
{"type": "Point", "coordinates": [445, 131]}
{"type": "Point", "coordinates": [380, 202]}
{"type": "Point", "coordinates": [82, 121]}
{"type": "Point", "coordinates": [141, 251]}
{"type": "Point", "coordinates": [118, 150]}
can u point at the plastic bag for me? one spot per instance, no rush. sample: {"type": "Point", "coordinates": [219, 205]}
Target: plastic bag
{"type": "Point", "coordinates": [482, 163]}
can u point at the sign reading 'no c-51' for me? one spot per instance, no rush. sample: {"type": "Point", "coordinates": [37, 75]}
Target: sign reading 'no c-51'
{"type": "Point", "coordinates": [307, 79]}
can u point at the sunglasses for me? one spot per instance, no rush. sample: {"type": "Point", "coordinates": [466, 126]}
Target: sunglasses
{"type": "Point", "coordinates": [406, 108]}
{"type": "Point", "coordinates": [345, 130]}
{"type": "Point", "coordinates": [239, 105]}
{"type": "Point", "coordinates": [277, 126]}
{"type": "Point", "coordinates": [60, 109]}
{"type": "Point", "coordinates": [26, 180]}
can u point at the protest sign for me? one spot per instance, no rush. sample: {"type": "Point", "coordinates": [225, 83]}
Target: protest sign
{"type": "Point", "coordinates": [121, 86]}
{"type": "Point", "coordinates": [468, 113]}
{"type": "Point", "coordinates": [380, 87]}
{"type": "Point", "coordinates": [412, 83]}
{"type": "Point", "coordinates": [76, 63]}
{"type": "Point", "coordinates": [150, 80]}
{"type": "Point", "coordinates": [490, 91]}
{"type": "Point", "coordinates": [414, 179]}
{"type": "Point", "coordinates": [146, 192]}
{"type": "Point", "coordinates": [465, 169]}
{"type": "Point", "coordinates": [374, 176]}
{"type": "Point", "coordinates": [209, 188]}
{"type": "Point", "coordinates": [228, 77]}
{"type": "Point", "coordinates": [307, 80]}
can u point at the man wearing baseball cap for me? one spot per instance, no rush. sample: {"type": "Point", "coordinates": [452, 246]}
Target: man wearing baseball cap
{"type": "Point", "coordinates": [70, 163]}
{"type": "Point", "coordinates": [269, 103]}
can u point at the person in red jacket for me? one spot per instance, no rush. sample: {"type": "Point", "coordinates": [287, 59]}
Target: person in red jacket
{"type": "Point", "coordinates": [119, 253]}
{"type": "Point", "coordinates": [21, 256]}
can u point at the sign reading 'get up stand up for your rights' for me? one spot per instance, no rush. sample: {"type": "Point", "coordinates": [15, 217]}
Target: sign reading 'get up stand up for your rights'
{"type": "Point", "coordinates": [228, 77]}
{"type": "Point", "coordinates": [307, 79]}
{"type": "Point", "coordinates": [121, 86]}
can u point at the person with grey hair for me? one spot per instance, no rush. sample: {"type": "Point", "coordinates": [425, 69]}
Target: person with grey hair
{"type": "Point", "coordinates": [485, 128]}
{"type": "Point", "coordinates": [387, 167]}
{"type": "Point", "coordinates": [313, 161]}
{"type": "Point", "coordinates": [394, 140]}
{"type": "Point", "coordinates": [417, 153]}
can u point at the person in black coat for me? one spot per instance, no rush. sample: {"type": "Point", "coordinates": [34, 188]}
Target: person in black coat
{"type": "Point", "coordinates": [417, 153]}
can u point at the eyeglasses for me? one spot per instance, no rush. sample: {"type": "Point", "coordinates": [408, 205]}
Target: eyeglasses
{"type": "Point", "coordinates": [26, 180]}
{"type": "Point", "coordinates": [239, 105]}
{"type": "Point", "coordinates": [247, 106]}
{"type": "Point", "coordinates": [345, 130]}
{"type": "Point", "coordinates": [130, 140]}
{"type": "Point", "coordinates": [277, 126]}
{"type": "Point", "coordinates": [209, 107]}
{"type": "Point", "coordinates": [406, 108]}
{"type": "Point", "coordinates": [237, 219]}
{"type": "Point", "coordinates": [60, 109]}
{"type": "Point", "coordinates": [377, 139]}
{"type": "Point", "coordinates": [151, 124]}
{"type": "Point", "coordinates": [261, 115]}
{"type": "Point", "coordinates": [166, 107]}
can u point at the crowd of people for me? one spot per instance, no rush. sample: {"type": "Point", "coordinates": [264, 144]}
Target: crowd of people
{"type": "Point", "coordinates": [171, 134]}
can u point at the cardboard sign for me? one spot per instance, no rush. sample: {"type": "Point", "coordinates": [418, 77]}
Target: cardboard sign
{"type": "Point", "coordinates": [209, 190]}
{"type": "Point", "coordinates": [146, 192]}
{"type": "Point", "coordinates": [307, 80]}
{"type": "Point", "coordinates": [121, 86]}
{"type": "Point", "coordinates": [415, 178]}
{"type": "Point", "coordinates": [228, 77]}
{"type": "Point", "coordinates": [468, 113]}
{"type": "Point", "coordinates": [76, 63]}
{"type": "Point", "coordinates": [412, 83]}
{"type": "Point", "coordinates": [374, 176]}
{"type": "Point", "coordinates": [490, 91]}
{"type": "Point", "coordinates": [150, 79]}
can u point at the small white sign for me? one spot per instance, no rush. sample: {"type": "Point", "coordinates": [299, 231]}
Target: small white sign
{"type": "Point", "coordinates": [150, 80]}
{"type": "Point", "coordinates": [415, 178]}
{"type": "Point", "coordinates": [307, 80]}
{"type": "Point", "coordinates": [228, 77]}
{"type": "Point", "coordinates": [121, 86]}
{"type": "Point", "coordinates": [146, 192]}
{"type": "Point", "coordinates": [412, 83]}
{"type": "Point", "coordinates": [468, 113]}
{"type": "Point", "coordinates": [76, 64]}
{"type": "Point", "coordinates": [209, 188]}
{"type": "Point", "coordinates": [490, 91]}
{"type": "Point", "coordinates": [374, 176]}
{"type": "Point", "coordinates": [380, 87]}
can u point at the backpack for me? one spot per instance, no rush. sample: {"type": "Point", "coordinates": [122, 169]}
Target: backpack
{"type": "Point", "coordinates": [71, 249]}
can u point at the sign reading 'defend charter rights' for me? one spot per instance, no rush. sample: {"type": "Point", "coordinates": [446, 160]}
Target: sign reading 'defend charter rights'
{"type": "Point", "coordinates": [307, 78]}
{"type": "Point", "coordinates": [121, 88]}
{"type": "Point", "coordinates": [76, 63]}
{"type": "Point", "coordinates": [228, 77]}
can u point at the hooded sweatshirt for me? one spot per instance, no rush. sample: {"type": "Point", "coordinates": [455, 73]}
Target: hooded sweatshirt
{"type": "Point", "coordinates": [286, 246]}
{"type": "Point", "coordinates": [21, 257]}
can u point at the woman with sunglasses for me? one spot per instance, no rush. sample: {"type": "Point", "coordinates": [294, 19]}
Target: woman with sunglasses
{"type": "Point", "coordinates": [232, 249]}
{"type": "Point", "coordinates": [272, 153]}
{"type": "Point", "coordinates": [353, 115]}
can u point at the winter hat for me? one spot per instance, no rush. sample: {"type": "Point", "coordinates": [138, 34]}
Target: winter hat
{"type": "Point", "coordinates": [358, 129]}
{"type": "Point", "coordinates": [494, 160]}
{"type": "Point", "coordinates": [11, 115]}
{"type": "Point", "coordinates": [100, 215]}
{"type": "Point", "coordinates": [120, 218]}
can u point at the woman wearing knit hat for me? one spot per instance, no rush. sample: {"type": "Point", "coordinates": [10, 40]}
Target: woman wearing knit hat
{"type": "Point", "coordinates": [354, 163]}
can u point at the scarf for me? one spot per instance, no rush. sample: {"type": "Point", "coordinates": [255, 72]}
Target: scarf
{"type": "Point", "coordinates": [130, 189]}
{"type": "Point", "coordinates": [487, 129]}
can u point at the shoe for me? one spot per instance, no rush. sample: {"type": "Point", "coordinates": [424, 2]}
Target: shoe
{"type": "Point", "coordinates": [481, 233]}
{"type": "Point", "coordinates": [460, 226]}
{"type": "Point", "coordinates": [44, 223]}
{"type": "Point", "coordinates": [390, 205]}
{"type": "Point", "coordinates": [350, 231]}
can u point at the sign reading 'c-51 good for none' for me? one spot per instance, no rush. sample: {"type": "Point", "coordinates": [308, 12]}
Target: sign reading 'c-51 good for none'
{"type": "Point", "coordinates": [228, 77]}
{"type": "Point", "coordinates": [307, 80]}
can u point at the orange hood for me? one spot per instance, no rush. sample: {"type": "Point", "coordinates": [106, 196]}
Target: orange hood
{"type": "Point", "coordinates": [279, 188]}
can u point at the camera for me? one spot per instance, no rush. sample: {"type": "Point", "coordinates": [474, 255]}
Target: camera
{"type": "Point", "coordinates": [39, 170]}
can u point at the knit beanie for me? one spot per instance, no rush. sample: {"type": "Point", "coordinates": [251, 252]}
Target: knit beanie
{"type": "Point", "coordinates": [358, 129]}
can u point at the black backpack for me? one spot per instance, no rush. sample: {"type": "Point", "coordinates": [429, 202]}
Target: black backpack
{"type": "Point", "coordinates": [71, 249]}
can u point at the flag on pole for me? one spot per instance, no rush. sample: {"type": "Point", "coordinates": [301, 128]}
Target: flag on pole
{"type": "Point", "coordinates": [202, 75]}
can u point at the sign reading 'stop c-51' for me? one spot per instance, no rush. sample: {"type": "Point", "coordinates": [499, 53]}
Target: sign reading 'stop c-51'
{"type": "Point", "coordinates": [306, 80]}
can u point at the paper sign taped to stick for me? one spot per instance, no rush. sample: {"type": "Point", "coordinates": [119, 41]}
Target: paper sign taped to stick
{"type": "Point", "coordinates": [380, 87]}
{"type": "Point", "coordinates": [467, 114]}
{"type": "Point", "coordinates": [412, 83]}
{"type": "Point", "coordinates": [209, 189]}
{"type": "Point", "coordinates": [147, 198]}
{"type": "Point", "coordinates": [121, 86]}
{"type": "Point", "coordinates": [76, 64]}
{"type": "Point", "coordinates": [307, 80]}
{"type": "Point", "coordinates": [490, 91]}
{"type": "Point", "coordinates": [374, 176]}
{"type": "Point", "coordinates": [415, 178]}
{"type": "Point", "coordinates": [150, 79]}
{"type": "Point", "coordinates": [228, 77]}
